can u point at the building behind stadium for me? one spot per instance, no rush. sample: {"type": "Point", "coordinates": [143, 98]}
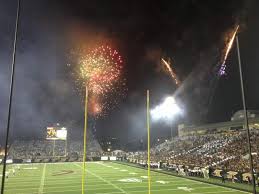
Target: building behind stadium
{"type": "Point", "coordinates": [236, 123]}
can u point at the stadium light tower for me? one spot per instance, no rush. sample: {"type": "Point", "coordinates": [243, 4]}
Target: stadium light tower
{"type": "Point", "coordinates": [167, 111]}
{"type": "Point", "coordinates": [10, 94]}
{"type": "Point", "coordinates": [246, 121]}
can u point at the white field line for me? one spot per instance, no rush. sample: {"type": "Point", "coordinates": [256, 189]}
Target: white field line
{"type": "Point", "coordinates": [216, 192]}
{"type": "Point", "coordinates": [205, 183]}
{"type": "Point", "coordinates": [96, 185]}
{"type": "Point", "coordinates": [172, 190]}
{"type": "Point", "coordinates": [210, 192]}
{"type": "Point", "coordinates": [227, 188]}
{"type": "Point", "coordinates": [141, 170]}
{"type": "Point", "coordinates": [115, 186]}
{"type": "Point", "coordinates": [68, 187]}
{"type": "Point", "coordinates": [234, 190]}
{"type": "Point", "coordinates": [42, 179]}
{"type": "Point", "coordinates": [101, 188]}
{"type": "Point", "coordinates": [64, 179]}
{"type": "Point", "coordinates": [57, 163]}
{"type": "Point", "coordinates": [55, 182]}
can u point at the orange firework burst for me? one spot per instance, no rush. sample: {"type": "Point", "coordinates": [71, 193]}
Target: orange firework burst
{"type": "Point", "coordinates": [95, 107]}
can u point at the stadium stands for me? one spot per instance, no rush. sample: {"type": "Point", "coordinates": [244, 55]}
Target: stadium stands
{"type": "Point", "coordinates": [217, 153]}
{"type": "Point", "coordinates": [46, 150]}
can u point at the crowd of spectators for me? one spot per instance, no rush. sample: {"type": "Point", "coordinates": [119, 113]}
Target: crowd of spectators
{"type": "Point", "coordinates": [31, 149]}
{"type": "Point", "coordinates": [228, 151]}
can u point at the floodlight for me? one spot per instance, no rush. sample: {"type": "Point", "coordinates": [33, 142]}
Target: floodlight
{"type": "Point", "coordinates": [166, 111]}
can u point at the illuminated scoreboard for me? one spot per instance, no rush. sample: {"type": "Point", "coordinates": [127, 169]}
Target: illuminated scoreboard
{"type": "Point", "coordinates": [56, 133]}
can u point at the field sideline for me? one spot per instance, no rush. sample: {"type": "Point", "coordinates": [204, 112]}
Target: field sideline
{"type": "Point", "coordinates": [101, 178]}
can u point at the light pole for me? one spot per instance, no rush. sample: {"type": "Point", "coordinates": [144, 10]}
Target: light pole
{"type": "Point", "coordinates": [171, 130]}
{"type": "Point", "coordinates": [10, 95]}
{"type": "Point", "coordinates": [245, 116]}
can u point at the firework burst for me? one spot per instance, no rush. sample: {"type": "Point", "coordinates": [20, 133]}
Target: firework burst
{"type": "Point", "coordinates": [101, 71]}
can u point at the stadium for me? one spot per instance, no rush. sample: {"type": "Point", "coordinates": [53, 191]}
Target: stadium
{"type": "Point", "coordinates": [196, 160]}
{"type": "Point", "coordinates": [129, 97]}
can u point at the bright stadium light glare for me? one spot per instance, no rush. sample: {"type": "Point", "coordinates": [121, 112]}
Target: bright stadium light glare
{"type": "Point", "coordinates": [62, 134]}
{"type": "Point", "coordinates": [166, 111]}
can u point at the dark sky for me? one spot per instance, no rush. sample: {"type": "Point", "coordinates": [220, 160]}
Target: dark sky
{"type": "Point", "coordinates": [191, 32]}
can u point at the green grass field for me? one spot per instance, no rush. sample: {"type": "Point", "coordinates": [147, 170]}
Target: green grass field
{"type": "Point", "coordinates": [102, 178]}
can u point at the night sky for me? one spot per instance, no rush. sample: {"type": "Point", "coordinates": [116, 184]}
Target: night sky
{"type": "Point", "coordinates": [190, 32]}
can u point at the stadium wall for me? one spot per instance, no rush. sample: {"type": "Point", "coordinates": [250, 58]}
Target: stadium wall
{"type": "Point", "coordinates": [216, 127]}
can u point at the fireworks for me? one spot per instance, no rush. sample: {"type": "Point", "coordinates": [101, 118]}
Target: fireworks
{"type": "Point", "coordinates": [95, 107]}
{"type": "Point", "coordinates": [101, 71]}
{"type": "Point", "coordinates": [222, 70]}
{"type": "Point", "coordinates": [171, 72]}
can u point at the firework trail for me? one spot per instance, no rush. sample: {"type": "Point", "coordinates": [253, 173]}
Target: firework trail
{"type": "Point", "coordinates": [171, 72]}
{"type": "Point", "coordinates": [101, 71]}
{"type": "Point", "coordinates": [222, 70]}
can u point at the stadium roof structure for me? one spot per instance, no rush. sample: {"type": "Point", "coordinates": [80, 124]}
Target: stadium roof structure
{"type": "Point", "coordinates": [236, 123]}
{"type": "Point", "coordinates": [239, 115]}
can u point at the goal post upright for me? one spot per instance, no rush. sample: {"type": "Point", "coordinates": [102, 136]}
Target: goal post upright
{"type": "Point", "coordinates": [85, 136]}
{"type": "Point", "coordinates": [148, 144]}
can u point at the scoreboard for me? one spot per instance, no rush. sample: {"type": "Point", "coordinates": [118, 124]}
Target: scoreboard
{"type": "Point", "coordinates": [56, 133]}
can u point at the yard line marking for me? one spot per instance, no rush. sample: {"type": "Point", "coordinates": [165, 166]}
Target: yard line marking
{"type": "Point", "coordinates": [99, 177]}
{"type": "Point", "coordinates": [192, 180]}
{"type": "Point", "coordinates": [72, 190]}
{"type": "Point", "coordinates": [215, 192]}
{"type": "Point", "coordinates": [42, 179]}
{"type": "Point", "coordinates": [140, 191]}
{"type": "Point", "coordinates": [96, 186]}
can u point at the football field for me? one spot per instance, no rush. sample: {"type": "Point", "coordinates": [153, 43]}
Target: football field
{"type": "Point", "coordinates": [101, 178]}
